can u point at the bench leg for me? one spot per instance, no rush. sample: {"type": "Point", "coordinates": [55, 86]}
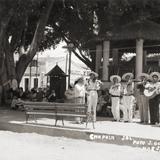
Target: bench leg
{"type": "Point", "coordinates": [56, 121]}
{"type": "Point", "coordinates": [34, 117]}
{"type": "Point", "coordinates": [62, 121]}
{"type": "Point", "coordinates": [58, 118]}
{"type": "Point", "coordinates": [86, 124]}
{"type": "Point", "coordinates": [27, 117]}
{"type": "Point", "coordinates": [87, 119]}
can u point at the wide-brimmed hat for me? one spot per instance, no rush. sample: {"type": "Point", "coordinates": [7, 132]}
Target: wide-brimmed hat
{"type": "Point", "coordinates": [79, 79]}
{"type": "Point", "coordinates": [93, 73]}
{"type": "Point", "coordinates": [155, 74]}
{"type": "Point", "coordinates": [126, 75]}
{"type": "Point", "coordinates": [143, 75]}
{"type": "Point", "coordinates": [115, 76]}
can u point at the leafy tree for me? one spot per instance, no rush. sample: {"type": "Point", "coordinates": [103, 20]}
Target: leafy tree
{"type": "Point", "coordinates": [76, 22]}
{"type": "Point", "coordinates": [27, 26]}
{"type": "Point", "coordinates": [21, 30]}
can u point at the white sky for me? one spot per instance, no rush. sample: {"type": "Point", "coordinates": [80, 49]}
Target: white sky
{"type": "Point", "coordinates": [59, 52]}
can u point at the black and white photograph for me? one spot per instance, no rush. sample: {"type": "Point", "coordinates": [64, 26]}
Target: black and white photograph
{"type": "Point", "coordinates": [80, 79]}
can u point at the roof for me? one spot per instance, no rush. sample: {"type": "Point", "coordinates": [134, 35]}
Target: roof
{"type": "Point", "coordinates": [124, 37]}
{"type": "Point", "coordinates": [145, 29]}
{"type": "Point", "coordinates": [56, 71]}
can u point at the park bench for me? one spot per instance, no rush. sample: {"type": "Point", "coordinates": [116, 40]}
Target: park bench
{"type": "Point", "coordinates": [59, 111]}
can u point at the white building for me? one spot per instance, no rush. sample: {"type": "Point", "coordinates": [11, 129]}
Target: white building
{"type": "Point", "coordinates": [35, 75]}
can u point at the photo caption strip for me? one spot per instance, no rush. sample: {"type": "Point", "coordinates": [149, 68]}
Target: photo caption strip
{"type": "Point", "coordinates": [144, 143]}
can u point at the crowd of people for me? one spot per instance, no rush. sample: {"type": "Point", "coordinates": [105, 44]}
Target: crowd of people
{"type": "Point", "coordinates": [82, 91]}
{"type": "Point", "coordinates": [36, 95]}
{"type": "Point", "coordinates": [120, 99]}
{"type": "Point", "coordinates": [143, 92]}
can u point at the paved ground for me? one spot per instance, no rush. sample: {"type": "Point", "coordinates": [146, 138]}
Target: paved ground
{"type": "Point", "coordinates": [103, 125]}
{"type": "Point", "coordinates": [129, 134]}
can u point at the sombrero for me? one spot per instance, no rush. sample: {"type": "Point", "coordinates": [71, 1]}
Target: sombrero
{"type": "Point", "coordinates": [127, 74]}
{"type": "Point", "coordinates": [143, 75]}
{"type": "Point", "coordinates": [93, 73]}
{"type": "Point", "coordinates": [155, 74]}
{"type": "Point", "coordinates": [115, 76]}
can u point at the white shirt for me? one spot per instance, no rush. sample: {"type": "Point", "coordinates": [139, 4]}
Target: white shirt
{"type": "Point", "coordinates": [93, 85]}
{"type": "Point", "coordinates": [79, 90]}
{"type": "Point", "coordinates": [115, 89]}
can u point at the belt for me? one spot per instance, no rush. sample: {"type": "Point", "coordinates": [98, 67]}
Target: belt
{"type": "Point", "coordinates": [128, 95]}
{"type": "Point", "coordinates": [115, 96]}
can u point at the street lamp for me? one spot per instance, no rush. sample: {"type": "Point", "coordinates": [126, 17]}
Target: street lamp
{"type": "Point", "coordinates": [70, 48]}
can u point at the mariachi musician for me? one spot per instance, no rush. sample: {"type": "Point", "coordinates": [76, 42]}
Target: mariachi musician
{"type": "Point", "coordinates": [128, 98]}
{"type": "Point", "coordinates": [115, 92]}
{"type": "Point", "coordinates": [154, 88]}
{"type": "Point", "coordinates": [142, 100]}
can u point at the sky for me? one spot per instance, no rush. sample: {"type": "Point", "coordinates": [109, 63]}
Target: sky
{"type": "Point", "coordinates": [59, 52]}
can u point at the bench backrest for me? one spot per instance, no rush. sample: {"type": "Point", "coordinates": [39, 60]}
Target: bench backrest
{"type": "Point", "coordinates": [72, 108]}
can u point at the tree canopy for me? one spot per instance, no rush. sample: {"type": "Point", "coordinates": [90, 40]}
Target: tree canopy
{"type": "Point", "coordinates": [78, 22]}
{"type": "Point", "coordinates": [28, 26]}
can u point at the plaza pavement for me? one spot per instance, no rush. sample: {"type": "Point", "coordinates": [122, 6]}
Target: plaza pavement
{"type": "Point", "coordinates": [106, 131]}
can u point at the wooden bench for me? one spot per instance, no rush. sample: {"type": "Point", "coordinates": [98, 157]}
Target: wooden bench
{"type": "Point", "coordinates": [59, 111]}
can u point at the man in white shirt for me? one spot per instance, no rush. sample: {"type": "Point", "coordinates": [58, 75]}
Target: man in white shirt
{"type": "Point", "coordinates": [115, 91]}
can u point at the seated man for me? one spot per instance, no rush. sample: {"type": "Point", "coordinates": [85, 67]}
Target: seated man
{"type": "Point", "coordinates": [104, 104]}
{"type": "Point", "coordinates": [17, 102]}
{"type": "Point", "coordinates": [52, 96]}
{"type": "Point", "coordinates": [40, 95]}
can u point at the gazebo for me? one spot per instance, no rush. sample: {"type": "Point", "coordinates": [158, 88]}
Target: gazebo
{"type": "Point", "coordinates": [140, 37]}
{"type": "Point", "coordinates": [145, 33]}
{"type": "Point", "coordinates": [57, 81]}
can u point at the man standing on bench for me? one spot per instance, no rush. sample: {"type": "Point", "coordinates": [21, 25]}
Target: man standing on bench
{"type": "Point", "coordinates": [92, 99]}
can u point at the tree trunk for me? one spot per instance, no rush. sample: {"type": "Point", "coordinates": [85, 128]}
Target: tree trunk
{"type": "Point", "coordinates": [9, 57]}
{"type": "Point", "coordinates": [26, 59]}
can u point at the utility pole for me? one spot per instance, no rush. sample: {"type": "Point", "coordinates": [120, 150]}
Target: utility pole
{"type": "Point", "coordinates": [70, 47]}
{"type": "Point", "coordinates": [69, 67]}
{"type": "Point", "coordinates": [30, 75]}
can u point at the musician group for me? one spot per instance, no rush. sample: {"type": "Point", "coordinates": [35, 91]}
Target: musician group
{"type": "Point", "coordinates": [127, 92]}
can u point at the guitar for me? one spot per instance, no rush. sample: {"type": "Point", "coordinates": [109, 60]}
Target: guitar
{"type": "Point", "coordinates": [151, 92]}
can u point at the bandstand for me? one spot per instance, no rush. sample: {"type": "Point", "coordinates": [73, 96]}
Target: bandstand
{"type": "Point", "coordinates": [141, 37]}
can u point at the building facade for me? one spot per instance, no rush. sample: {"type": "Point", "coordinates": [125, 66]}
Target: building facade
{"type": "Point", "coordinates": [35, 75]}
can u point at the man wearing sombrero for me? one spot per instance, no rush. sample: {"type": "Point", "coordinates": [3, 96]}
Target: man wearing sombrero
{"type": "Point", "coordinates": [92, 99]}
{"type": "Point", "coordinates": [142, 100]}
{"type": "Point", "coordinates": [154, 87]}
{"type": "Point", "coordinates": [115, 91]}
{"type": "Point", "coordinates": [128, 98]}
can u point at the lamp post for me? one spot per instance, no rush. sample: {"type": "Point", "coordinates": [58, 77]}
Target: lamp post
{"type": "Point", "coordinates": [70, 48]}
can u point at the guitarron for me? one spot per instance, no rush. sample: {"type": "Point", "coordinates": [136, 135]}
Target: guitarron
{"type": "Point", "coordinates": [151, 92]}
